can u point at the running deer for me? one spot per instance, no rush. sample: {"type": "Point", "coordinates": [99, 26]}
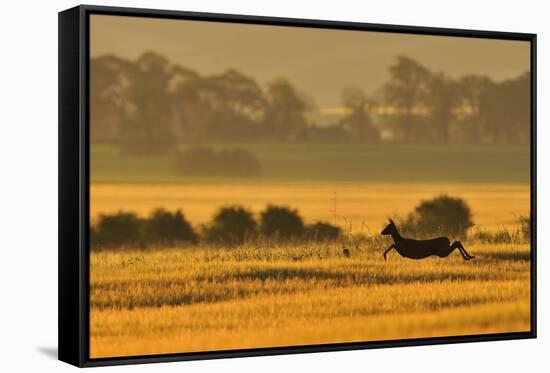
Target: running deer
{"type": "Point", "coordinates": [419, 249]}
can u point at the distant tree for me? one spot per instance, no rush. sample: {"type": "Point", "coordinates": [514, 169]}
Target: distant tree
{"type": "Point", "coordinates": [149, 129]}
{"type": "Point", "coordinates": [285, 110]}
{"type": "Point", "coordinates": [165, 227]}
{"type": "Point", "coordinates": [441, 101]}
{"type": "Point", "coordinates": [223, 107]}
{"type": "Point", "coordinates": [109, 102]}
{"type": "Point", "coordinates": [506, 110]}
{"type": "Point", "coordinates": [442, 214]}
{"type": "Point", "coordinates": [321, 231]}
{"type": "Point", "coordinates": [281, 222]}
{"type": "Point", "coordinates": [119, 229]}
{"type": "Point", "coordinates": [406, 92]}
{"type": "Point", "coordinates": [231, 225]}
{"type": "Point", "coordinates": [237, 93]}
{"type": "Point", "coordinates": [470, 91]}
{"type": "Point", "coordinates": [187, 112]}
{"type": "Point", "coordinates": [359, 122]}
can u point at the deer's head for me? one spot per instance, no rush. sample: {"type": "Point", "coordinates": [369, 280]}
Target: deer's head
{"type": "Point", "coordinates": [390, 229]}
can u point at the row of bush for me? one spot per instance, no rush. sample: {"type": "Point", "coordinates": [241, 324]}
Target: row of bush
{"type": "Point", "coordinates": [230, 225]}
{"type": "Point", "coordinates": [126, 228]}
{"type": "Point", "coordinates": [443, 215]}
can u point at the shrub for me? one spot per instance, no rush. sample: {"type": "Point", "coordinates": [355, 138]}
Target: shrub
{"type": "Point", "coordinates": [525, 227]}
{"type": "Point", "coordinates": [204, 161]}
{"type": "Point", "coordinates": [197, 161]}
{"type": "Point", "coordinates": [442, 214]}
{"type": "Point", "coordinates": [93, 238]}
{"type": "Point", "coordinates": [165, 227]}
{"type": "Point", "coordinates": [281, 222]}
{"type": "Point", "coordinates": [122, 228]}
{"type": "Point", "coordinates": [323, 232]}
{"type": "Point", "coordinates": [238, 163]}
{"type": "Point", "coordinates": [231, 225]}
{"type": "Point", "coordinates": [501, 236]}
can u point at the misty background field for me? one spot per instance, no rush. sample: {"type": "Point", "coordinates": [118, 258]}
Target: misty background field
{"type": "Point", "coordinates": [237, 202]}
{"type": "Point", "coordinates": [332, 182]}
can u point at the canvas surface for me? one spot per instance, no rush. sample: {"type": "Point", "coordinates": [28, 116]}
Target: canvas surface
{"type": "Point", "coordinates": [241, 176]}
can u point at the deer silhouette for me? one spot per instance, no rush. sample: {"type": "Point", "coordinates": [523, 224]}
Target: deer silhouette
{"type": "Point", "coordinates": [419, 249]}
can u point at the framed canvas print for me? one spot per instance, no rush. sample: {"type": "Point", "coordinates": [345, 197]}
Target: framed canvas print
{"type": "Point", "coordinates": [239, 186]}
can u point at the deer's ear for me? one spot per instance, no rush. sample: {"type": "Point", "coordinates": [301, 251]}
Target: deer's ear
{"type": "Point", "coordinates": [391, 221]}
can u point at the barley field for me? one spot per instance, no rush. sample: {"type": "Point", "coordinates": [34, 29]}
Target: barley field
{"type": "Point", "coordinates": [187, 299]}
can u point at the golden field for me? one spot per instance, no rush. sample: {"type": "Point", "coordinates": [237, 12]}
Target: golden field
{"type": "Point", "coordinates": [263, 294]}
{"type": "Point", "coordinates": [207, 298]}
{"type": "Point", "coordinates": [365, 205]}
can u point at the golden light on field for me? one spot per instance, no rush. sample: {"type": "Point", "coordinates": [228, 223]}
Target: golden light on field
{"type": "Point", "coordinates": [205, 298]}
{"type": "Point", "coordinates": [365, 205]}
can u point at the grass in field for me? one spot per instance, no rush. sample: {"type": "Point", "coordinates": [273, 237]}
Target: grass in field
{"type": "Point", "coordinates": [208, 298]}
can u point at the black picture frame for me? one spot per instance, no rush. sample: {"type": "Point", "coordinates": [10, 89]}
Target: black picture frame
{"type": "Point", "coordinates": [74, 183]}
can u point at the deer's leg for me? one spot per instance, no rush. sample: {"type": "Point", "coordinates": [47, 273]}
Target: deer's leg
{"type": "Point", "coordinates": [463, 250]}
{"type": "Point", "coordinates": [389, 248]}
{"type": "Point", "coordinates": [458, 245]}
{"type": "Point", "coordinates": [447, 251]}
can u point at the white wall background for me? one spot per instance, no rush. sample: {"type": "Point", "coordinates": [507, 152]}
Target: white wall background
{"type": "Point", "coordinates": [28, 184]}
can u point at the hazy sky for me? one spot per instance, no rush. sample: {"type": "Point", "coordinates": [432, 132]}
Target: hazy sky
{"type": "Point", "coordinates": [319, 62]}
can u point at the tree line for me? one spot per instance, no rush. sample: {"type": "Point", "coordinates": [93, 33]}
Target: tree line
{"type": "Point", "coordinates": [231, 225]}
{"type": "Point", "coordinates": [235, 225]}
{"type": "Point", "coordinates": [472, 108]}
{"type": "Point", "coordinates": [151, 104]}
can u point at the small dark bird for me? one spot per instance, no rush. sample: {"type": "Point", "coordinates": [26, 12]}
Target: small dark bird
{"type": "Point", "coordinates": [345, 251]}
